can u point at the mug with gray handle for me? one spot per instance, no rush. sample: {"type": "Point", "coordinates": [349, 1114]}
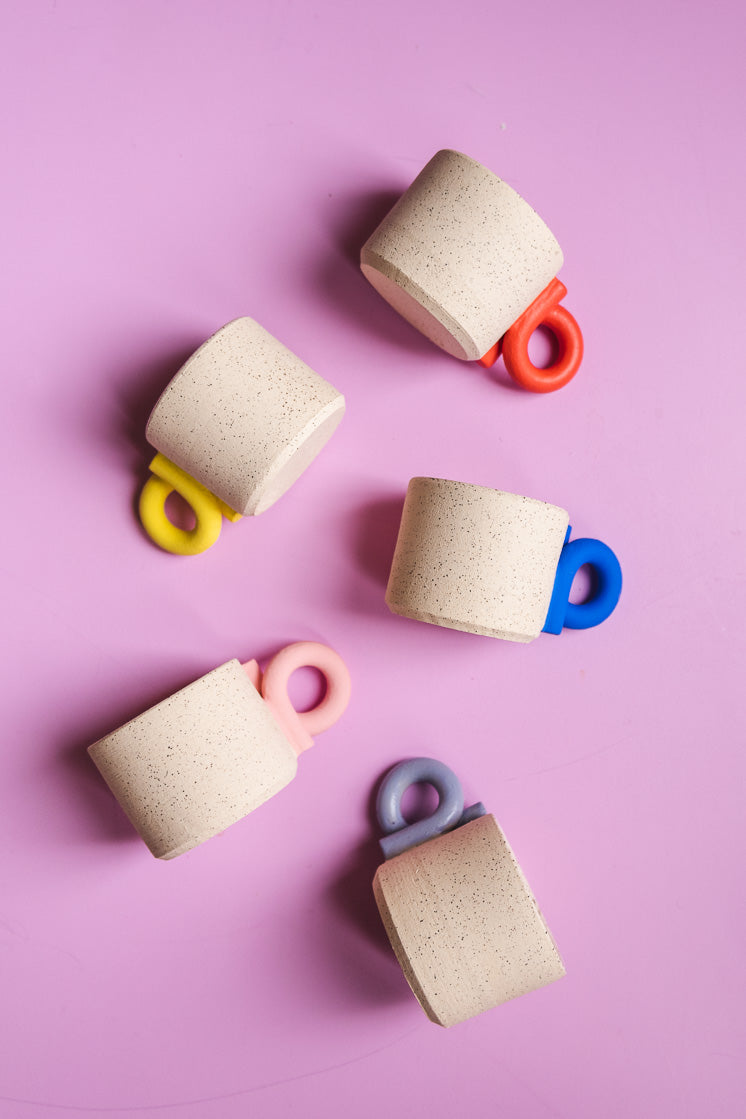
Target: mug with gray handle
{"type": "Point", "coordinates": [459, 913]}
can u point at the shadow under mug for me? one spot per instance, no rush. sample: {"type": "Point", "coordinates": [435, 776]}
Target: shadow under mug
{"type": "Point", "coordinates": [234, 429]}
{"type": "Point", "coordinates": [465, 260]}
{"type": "Point", "coordinates": [207, 756]}
{"type": "Point", "coordinates": [459, 913]}
{"type": "Point", "coordinates": [498, 564]}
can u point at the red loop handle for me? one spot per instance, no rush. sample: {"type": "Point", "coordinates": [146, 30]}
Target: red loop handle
{"type": "Point", "coordinates": [544, 311]}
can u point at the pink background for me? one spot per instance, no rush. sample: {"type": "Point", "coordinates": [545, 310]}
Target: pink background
{"type": "Point", "coordinates": [170, 166]}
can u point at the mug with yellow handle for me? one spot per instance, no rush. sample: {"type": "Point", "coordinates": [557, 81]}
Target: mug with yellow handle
{"type": "Point", "coordinates": [234, 429]}
{"type": "Point", "coordinates": [465, 260]}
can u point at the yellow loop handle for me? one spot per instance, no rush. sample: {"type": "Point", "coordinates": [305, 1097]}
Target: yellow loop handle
{"type": "Point", "coordinates": [208, 510]}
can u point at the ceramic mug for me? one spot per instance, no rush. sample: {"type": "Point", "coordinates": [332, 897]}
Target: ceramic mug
{"type": "Point", "coordinates": [472, 266]}
{"type": "Point", "coordinates": [236, 426]}
{"type": "Point", "coordinates": [481, 560]}
{"type": "Point", "coordinates": [455, 904]}
{"type": "Point", "coordinates": [209, 755]}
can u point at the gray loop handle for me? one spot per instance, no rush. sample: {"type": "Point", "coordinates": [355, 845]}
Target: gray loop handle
{"type": "Point", "coordinates": [399, 835]}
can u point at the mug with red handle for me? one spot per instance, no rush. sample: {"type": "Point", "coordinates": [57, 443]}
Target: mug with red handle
{"type": "Point", "coordinates": [464, 259]}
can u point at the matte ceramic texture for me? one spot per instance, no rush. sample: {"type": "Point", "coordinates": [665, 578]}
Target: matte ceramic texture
{"type": "Point", "coordinates": [197, 762]}
{"type": "Point", "coordinates": [464, 924]}
{"type": "Point", "coordinates": [173, 165]}
{"type": "Point", "coordinates": [461, 255]}
{"type": "Point", "coordinates": [245, 417]}
{"type": "Point", "coordinates": [476, 559]}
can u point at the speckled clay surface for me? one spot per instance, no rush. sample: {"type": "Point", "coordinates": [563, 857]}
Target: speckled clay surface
{"type": "Point", "coordinates": [245, 417]}
{"type": "Point", "coordinates": [476, 559]}
{"type": "Point", "coordinates": [461, 255]}
{"type": "Point", "coordinates": [464, 924]}
{"type": "Point", "coordinates": [197, 762]}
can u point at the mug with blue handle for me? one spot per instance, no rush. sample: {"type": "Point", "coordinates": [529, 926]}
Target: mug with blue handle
{"type": "Point", "coordinates": [484, 561]}
{"type": "Point", "coordinates": [459, 913]}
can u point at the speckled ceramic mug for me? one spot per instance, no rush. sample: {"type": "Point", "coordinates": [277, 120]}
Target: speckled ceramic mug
{"type": "Point", "coordinates": [481, 560]}
{"type": "Point", "coordinates": [209, 755]}
{"type": "Point", "coordinates": [462, 257]}
{"type": "Point", "coordinates": [234, 429]}
{"type": "Point", "coordinates": [455, 904]}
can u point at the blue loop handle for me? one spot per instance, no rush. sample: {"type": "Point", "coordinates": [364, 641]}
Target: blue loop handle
{"type": "Point", "coordinates": [399, 835]}
{"type": "Point", "coordinates": [608, 586]}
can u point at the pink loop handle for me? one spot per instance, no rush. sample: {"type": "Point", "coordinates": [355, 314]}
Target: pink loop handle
{"type": "Point", "coordinates": [299, 726]}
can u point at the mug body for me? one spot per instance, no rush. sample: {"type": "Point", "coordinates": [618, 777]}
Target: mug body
{"type": "Point", "coordinates": [245, 417]}
{"type": "Point", "coordinates": [464, 924]}
{"type": "Point", "coordinates": [461, 255]}
{"type": "Point", "coordinates": [197, 762]}
{"type": "Point", "coordinates": [476, 559]}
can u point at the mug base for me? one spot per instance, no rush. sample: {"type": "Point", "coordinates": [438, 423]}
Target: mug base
{"type": "Point", "coordinates": [296, 458]}
{"type": "Point", "coordinates": [464, 626]}
{"type": "Point", "coordinates": [414, 305]}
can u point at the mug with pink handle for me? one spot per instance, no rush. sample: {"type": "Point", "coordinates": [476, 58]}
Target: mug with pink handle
{"type": "Point", "coordinates": [209, 755]}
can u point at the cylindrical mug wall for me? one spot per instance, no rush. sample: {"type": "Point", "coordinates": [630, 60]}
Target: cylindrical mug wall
{"type": "Point", "coordinates": [464, 923]}
{"type": "Point", "coordinates": [476, 559]}
{"type": "Point", "coordinates": [244, 416]}
{"type": "Point", "coordinates": [197, 762]}
{"type": "Point", "coordinates": [461, 255]}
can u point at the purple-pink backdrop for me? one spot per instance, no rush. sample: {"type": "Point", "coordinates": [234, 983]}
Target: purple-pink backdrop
{"type": "Point", "coordinates": [170, 166]}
